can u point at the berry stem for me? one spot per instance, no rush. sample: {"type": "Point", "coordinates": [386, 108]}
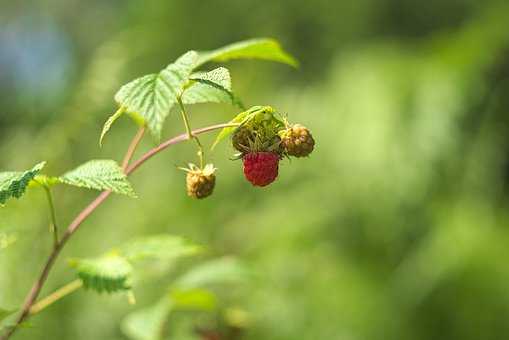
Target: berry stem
{"type": "Point", "coordinates": [132, 148]}
{"type": "Point", "coordinates": [190, 135]}
{"type": "Point", "coordinates": [53, 215]}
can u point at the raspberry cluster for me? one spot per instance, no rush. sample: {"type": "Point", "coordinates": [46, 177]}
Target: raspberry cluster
{"type": "Point", "coordinates": [264, 139]}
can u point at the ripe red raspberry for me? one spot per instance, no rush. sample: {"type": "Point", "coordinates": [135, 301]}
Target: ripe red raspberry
{"type": "Point", "coordinates": [261, 168]}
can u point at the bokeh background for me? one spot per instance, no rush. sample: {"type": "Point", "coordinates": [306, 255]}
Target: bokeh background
{"type": "Point", "coordinates": [396, 227]}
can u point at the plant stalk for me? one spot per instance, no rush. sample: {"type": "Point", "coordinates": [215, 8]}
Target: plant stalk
{"type": "Point", "coordinates": [53, 215]}
{"type": "Point", "coordinates": [132, 148]}
{"type": "Point", "coordinates": [55, 296]}
{"type": "Point", "coordinates": [190, 135]}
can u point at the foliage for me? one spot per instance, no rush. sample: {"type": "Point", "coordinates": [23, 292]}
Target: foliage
{"type": "Point", "coordinates": [14, 184]}
{"type": "Point", "coordinates": [99, 175]}
{"type": "Point", "coordinates": [189, 292]}
{"type": "Point", "coordinates": [109, 273]}
{"type": "Point", "coordinates": [150, 98]}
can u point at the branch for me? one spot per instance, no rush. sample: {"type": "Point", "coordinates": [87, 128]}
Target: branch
{"type": "Point", "coordinates": [132, 147]}
{"type": "Point", "coordinates": [82, 216]}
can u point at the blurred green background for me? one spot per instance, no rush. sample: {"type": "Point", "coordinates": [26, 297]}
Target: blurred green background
{"type": "Point", "coordinates": [396, 227]}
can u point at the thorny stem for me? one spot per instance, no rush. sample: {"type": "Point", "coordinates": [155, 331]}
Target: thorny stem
{"type": "Point", "coordinates": [53, 215]}
{"type": "Point", "coordinates": [82, 216]}
{"type": "Point", "coordinates": [190, 135]}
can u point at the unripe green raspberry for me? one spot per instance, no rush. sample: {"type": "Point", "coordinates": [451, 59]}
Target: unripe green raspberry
{"type": "Point", "coordinates": [200, 183]}
{"type": "Point", "coordinates": [297, 141]}
{"type": "Point", "coordinates": [242, 138]}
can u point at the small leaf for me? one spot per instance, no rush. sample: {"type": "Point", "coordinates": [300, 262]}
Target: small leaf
{"type": "Point", "coordinates": [211, 87]}
{"type": "Point", "coordinates": [267, 49]}
{"type": "Point", "coordinates": [147, 323]}
{"type": "Point", "coordinates": [109, 122]}
{"type": "Point", "coordinates": [241, 118]}
{"type": "Point", "coordinates": [223, 270]}
{"type": "Point", "coordinates": [108, 273]}
{"type": "Point", "coordinates": [161, 247]}
{"type": "Point", "coordinates": [152, 96]}
{"type": "Point", "coordinates": [14, 184]}
{"type": "Point", "coordinates": [99, 175]}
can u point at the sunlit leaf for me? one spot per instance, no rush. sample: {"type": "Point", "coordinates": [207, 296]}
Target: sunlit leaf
{"type": "Point", "coordinates": [267, 49]}
{"type": "Point", "coordinates": [240, 119]}
{"type": "Point", "coordinates": [152, 96]}
{"type": "Point", "coordinates": [210, 87]}
{"type": "Point", "coordinates": [99, 175]}
{"type": "Point", "coordinates": [109, 122]}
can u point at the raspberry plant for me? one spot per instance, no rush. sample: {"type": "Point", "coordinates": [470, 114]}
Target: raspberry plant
{"type": "Point", "coordinates": [259, 134]}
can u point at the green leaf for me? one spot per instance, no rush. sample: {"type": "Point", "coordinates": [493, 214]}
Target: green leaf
{"type": "Point", "coordinates": [193, 299]}
{"type": "Point", "coordinates": [99, 175]}
{"type": "Point", "coordinates": [217, 271]}
{"type": "Point", "coordinates": [110, 122]}
{"type": "Point", "coordinates": [110, 273]}
{"type": "Point", "coordinates": [147, 323]}
{"type": "Point", "coordinates": [267, 49]}
{"type": "Point", "coordinates": [160, 247]}
{"type": "Point", "coordinates": [14, 184]}
{"type": "Point", "coordinates": [211, 87]}
{"type": "Point", "coordinates": [152, 96]}
{"type": "Point", "coordinates": [241, 118]}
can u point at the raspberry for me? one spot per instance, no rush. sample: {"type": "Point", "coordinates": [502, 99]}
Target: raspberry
{"type": "Point", "coordinates": [261, 168]}
{"type": "Point", "coordinates": [297, 141]}
{"type": "Point", "coordinates": [200, 183]}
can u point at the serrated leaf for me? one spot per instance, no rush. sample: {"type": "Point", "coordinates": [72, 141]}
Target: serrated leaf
{"type": "Point", "coordinates": [109, 122]}
{"type": "Point", "coordinates": [267, 49]}
{"type": "Point", "coordinates": [223, 270]}
{"type": "Point", "coordinates": [109, 273]}
{"type": "Point", "coordinates": [218, 77]}
{"type": "Point", "coordinates": [14, 184]}
{"type": "Point", "coordinates": [147, 323]}
{"type": "Point", "coordinates": [99, 175]}
{"type": "Point", "coordinates": [161, 247]}
{"type": "Point", "coordinates": [211, 87]}
{"type": "Point", "coordinates": [152, 96]}
{"type": "Point", "coordinates": [240, 119]}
